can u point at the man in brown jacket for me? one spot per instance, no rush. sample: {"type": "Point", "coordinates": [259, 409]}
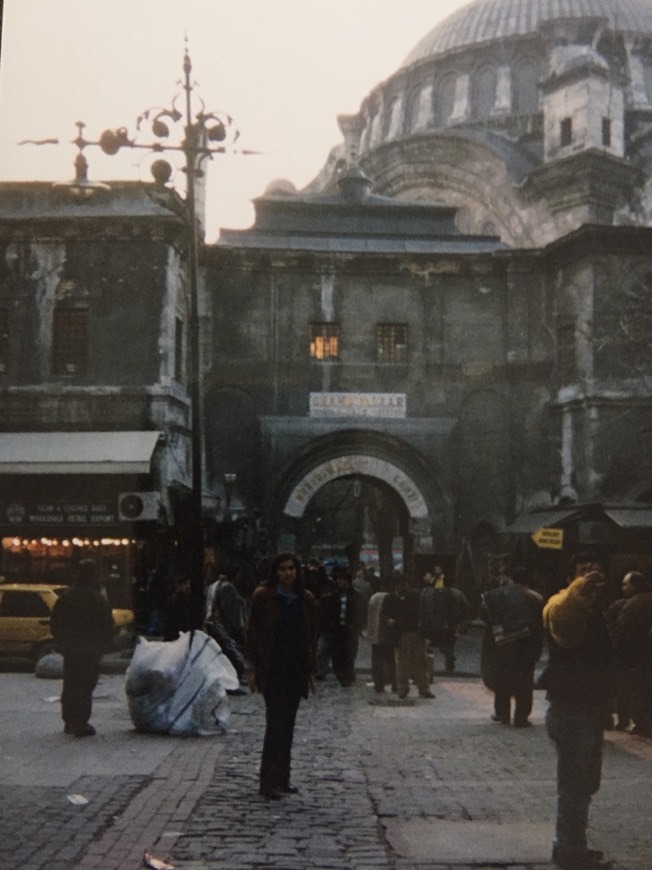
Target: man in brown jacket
{"type": "Point", "coordinates": [281, 648]}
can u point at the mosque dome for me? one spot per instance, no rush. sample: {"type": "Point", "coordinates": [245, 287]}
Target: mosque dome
{"type": "Point", "coordinates": [486, 20]}
{"type": "Point", "coordinates": [484, 65]}
{"type": "Point", "coordinates": [496, 96]}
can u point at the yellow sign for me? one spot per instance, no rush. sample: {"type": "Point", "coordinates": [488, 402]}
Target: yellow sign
{"type": "Point", "coordinates": [549, 539]}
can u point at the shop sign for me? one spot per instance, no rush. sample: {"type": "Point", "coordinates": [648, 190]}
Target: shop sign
{"type": "Point", "coordinates": [385, 405]}
{"type": "Point", "coordinates": [549, 539]}
{"type": "Point", "coordinates": [61, 513]}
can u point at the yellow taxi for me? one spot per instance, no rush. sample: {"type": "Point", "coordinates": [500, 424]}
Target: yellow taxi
{"type": "Point", "coordinates": [25, 618]}
{"type": "Point", "coordinates": [25, 610]}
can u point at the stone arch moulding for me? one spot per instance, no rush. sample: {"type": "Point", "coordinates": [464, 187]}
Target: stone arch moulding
{"type": "Point", "coordinates": [358, 463]}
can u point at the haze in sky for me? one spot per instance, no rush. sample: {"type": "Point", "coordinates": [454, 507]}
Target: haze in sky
{"type": "Point", "coordinates": [284, 69]}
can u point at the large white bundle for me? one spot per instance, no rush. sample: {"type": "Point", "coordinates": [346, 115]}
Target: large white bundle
{"type": "Point", "coordinates": [179, 686]}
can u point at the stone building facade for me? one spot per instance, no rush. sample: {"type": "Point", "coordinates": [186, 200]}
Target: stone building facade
{"type": "Point", "coordinates": [451, 325]}
{"type": "Point", "coordinates": [94, 403]}
{"type": "Point", "coordinates": [528, 348]}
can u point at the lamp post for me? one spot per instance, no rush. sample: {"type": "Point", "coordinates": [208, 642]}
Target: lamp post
{"type": "Point", "coordinates": [204, 134]}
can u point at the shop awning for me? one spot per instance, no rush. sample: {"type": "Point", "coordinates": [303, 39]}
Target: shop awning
{"type": "Point", "coordinates": [630, 518]}
{"type": "Point", "coordinates": [529, 523]}
{"type": "Point", "coordinates": [77, 452]}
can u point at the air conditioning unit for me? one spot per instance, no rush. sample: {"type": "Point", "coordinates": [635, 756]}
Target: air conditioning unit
{"type": "Point", "coordinates": [139, 505]}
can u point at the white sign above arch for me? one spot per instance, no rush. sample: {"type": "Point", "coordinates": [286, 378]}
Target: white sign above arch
{"type": "Point", "coordinates": [357, 463]}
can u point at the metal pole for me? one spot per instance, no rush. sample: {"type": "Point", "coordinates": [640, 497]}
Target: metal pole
{"type": "Point", "coordinates": [190, 147]}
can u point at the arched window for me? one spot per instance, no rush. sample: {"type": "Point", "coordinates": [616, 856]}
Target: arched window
{"type": "Point", "coordinates": [526, 78]}
{"type": "Point", "coordinates": [445, 100]}
{"type": "Point", "coordinates": [483, 92]}
{"type": "Point", "coordinates": [420, 116]}
{"type": "Point", "coordinates": [394, 118]}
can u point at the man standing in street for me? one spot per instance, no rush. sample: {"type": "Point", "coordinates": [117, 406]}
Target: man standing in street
{"type": "Point", "coordinates": [511, 646]}
{"type": "Point", "coordinates": [281, 647]}
{"type": "Point", "coordinates": [82, 626]}
{"type": "Point", "coordinates": [342, 618]}
{"type": "Point", "coordinates": [579, 695]}
{"type": "Point", "coordinates": [400, 613]}
{"type": "Point", "coordinates": [381, 639]}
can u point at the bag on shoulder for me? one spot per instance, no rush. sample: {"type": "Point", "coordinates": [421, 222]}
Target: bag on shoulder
{"type": "Point", "coordinates": [509, 613]}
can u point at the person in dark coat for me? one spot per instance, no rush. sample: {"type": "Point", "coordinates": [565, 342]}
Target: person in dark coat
{"type": "Point", "coordinates": [630, 622]}
{"type": "Point", "coordinates": [281, 649]}
{"type": "Point", "coordinates": [400, 613]}
{"type": "Point", "coordinates": [82, 627]}
{"type": "Point", "coordinates": [512, 645]}
{"type": "Point", "coordinates": [342, 618]}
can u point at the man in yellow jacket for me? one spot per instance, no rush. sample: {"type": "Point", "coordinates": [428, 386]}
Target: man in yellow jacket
{"type": "Point", "coordinates": [578, 692]}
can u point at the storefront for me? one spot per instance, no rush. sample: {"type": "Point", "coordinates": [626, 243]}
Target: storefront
{"type": "Point", "coordinates": [67, 496]}
{"type": "Point", "coordinates": [619, 533]}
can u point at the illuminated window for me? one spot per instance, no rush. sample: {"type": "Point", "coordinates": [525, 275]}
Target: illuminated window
{"type": "Point", "coordinates": [391, 342]}
{"type": "Point", "coordinates": [4, 339]}
{"type": "Point", "coordinates": [325, 341]}
{"type": "Point", "coordinates": [70, 341]}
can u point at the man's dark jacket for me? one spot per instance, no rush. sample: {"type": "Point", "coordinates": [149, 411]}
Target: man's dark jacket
{"type": "Point", "coordinates": [82, 622]}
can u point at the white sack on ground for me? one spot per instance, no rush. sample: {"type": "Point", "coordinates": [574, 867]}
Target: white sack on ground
{"type": "Point", "coordinates": [180, 686]}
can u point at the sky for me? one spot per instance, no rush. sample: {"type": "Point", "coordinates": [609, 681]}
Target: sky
{"type": "Point", "coordinates": [283, 69]}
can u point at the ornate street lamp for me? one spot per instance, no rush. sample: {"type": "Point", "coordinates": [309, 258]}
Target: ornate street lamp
{"type": "Point", "coordinates": [204, 134]}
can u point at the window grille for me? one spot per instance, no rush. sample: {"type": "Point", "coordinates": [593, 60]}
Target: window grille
{"type": "Point", "coordinates": [70, 341]}
{"type": "Point", "coordinates": [391, 339]}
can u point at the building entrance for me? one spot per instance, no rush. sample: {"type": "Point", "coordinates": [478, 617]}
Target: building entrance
{"type": "Point", "coordinates": [359, 508]}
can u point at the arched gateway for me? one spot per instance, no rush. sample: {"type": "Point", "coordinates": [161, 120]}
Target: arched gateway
{"type": "Point", "coordinates": [363, 464]}
{"type": "Point", "coordinates": [408, 496]}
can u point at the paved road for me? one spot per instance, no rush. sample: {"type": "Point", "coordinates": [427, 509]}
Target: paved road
{"type": "Point", "coordinates": [384, 784]}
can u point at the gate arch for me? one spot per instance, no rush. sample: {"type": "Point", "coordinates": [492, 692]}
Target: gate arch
{"type": "Point", "coordinates": [358, 463]}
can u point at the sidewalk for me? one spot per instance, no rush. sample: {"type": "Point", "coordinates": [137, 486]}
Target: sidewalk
{"type": "Point", "coordinates": [384, 784]}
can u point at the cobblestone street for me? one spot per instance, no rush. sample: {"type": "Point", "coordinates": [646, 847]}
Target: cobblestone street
{"type": "Point", "coordinates": [384, 784]}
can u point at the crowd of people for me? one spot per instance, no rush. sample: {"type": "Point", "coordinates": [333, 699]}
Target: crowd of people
{"type": "Point", "coordinates": [302, 621]}
{"type": "Point", "coordinates": [599, 666]}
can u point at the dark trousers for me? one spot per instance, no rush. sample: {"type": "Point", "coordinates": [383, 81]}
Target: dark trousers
{"type": "Point", "coordinates": [513, 681]}
{"type": "Point", "coordinates": [446, 646]}
{"type": "Point", "coordinates": [344, 652]}
{"type": "Point", "coordinates": [281, 705]}
{"type": "Point", "coordinates": [577, 735]}
{"type": "Point", "coordinates": [383, 666]}
{"type": "Point", "coordinates": [80, 676]}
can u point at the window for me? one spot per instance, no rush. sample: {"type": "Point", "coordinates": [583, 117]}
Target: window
{"type": "Point", "coordinates": [325, 341]}
{"type": "Point", "coordinates": [179, 367]}
{"type": "Point", "coordinates": [391, 341]}
{"type": "Point", "coordinates": [70, 341]}
{"type": "Point", "coordinates": [23, 604]}
{"type": "Point", "coordinates": [4, 339]}
{"type": "Point", "coordinates": [566, 131]}
{"type": "Point", "coordinates": [606, 132]}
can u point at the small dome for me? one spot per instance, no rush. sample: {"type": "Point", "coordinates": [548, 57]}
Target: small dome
{"type": "Point", "coordinates": [486, 20]}
{"type": "Point", "coordinates": [565, 58]}
{"type": "Point", "coordinates": [281, 186]}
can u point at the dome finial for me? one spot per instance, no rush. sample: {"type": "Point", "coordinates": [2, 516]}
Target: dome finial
{"type": "Point", "coordinates": [354, 185]}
